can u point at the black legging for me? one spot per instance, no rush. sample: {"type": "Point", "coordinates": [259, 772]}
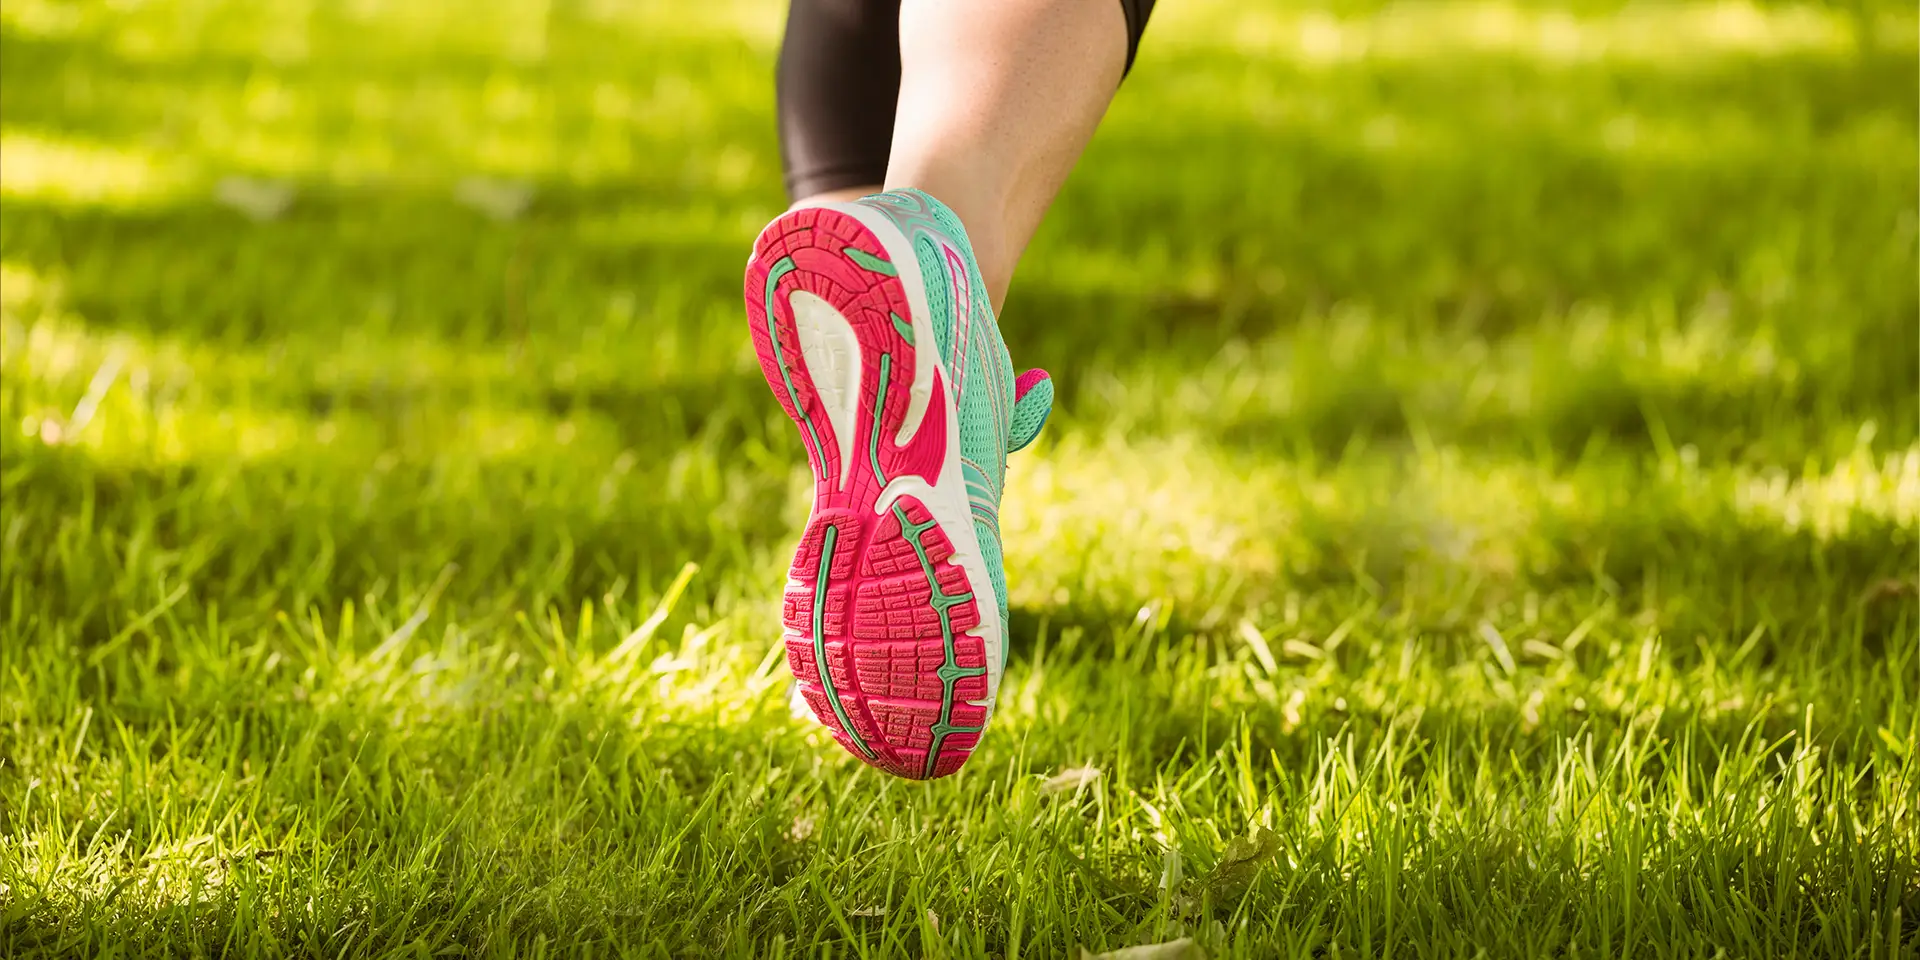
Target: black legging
{"type": "Point", "coordinates": [838, 84]}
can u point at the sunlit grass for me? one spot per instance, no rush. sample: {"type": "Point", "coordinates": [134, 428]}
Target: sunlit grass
{"type": "Point", "coordinates": [1635, 33]}
{"type": "Point", "coordinates": [1481, 514]}
{"type": "Point", "coordinates": [44, 167]}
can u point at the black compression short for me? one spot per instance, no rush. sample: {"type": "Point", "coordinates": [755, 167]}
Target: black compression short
{"type": "Point", "coordinates": [838, 83]}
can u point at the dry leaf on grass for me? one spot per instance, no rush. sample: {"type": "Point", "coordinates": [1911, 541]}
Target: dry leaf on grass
{"type": "Point", "coordinates": [1181, 949]}
{"type": "Point", "coordinates": [1242, 861]}
{"type": "Point", "coordinates": [1072, 778]}
{"type": "Point", "coordinates": [256, 198]}
{"type": "Point", "coordinates": [498, 199]}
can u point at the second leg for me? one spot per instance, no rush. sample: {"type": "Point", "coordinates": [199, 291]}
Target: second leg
{"type": "Point", "coordinates": [997, 100]}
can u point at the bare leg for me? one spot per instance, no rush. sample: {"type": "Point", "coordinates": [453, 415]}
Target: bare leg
{"type": "Point", "coordinates": [997, 100]}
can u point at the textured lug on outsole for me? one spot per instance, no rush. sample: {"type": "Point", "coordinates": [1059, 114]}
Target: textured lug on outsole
{"type": "Point", "coordinates": [876, 594]}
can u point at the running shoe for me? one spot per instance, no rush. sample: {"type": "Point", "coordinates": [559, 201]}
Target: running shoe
{"type": "Point", "coordinates": [876, 335]}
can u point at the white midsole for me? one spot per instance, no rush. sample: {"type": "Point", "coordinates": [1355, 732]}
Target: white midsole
{"type": "Point", "coordinates": [832, 352]}
{"type": "Point", "coordinates": [946, 497]}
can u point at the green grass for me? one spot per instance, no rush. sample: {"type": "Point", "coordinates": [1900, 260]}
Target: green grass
{"type": "Point", "coordinates": [1481, 516]}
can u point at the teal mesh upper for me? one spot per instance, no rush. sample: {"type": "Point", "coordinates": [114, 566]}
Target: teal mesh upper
{"type": "Point", "coordinates": [976, 357]}
{"type": "Point", "coordinates": [1029, 413]}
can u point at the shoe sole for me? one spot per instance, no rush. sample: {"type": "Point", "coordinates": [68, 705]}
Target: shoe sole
{"type": "Point", "coordinates": [888, 589]}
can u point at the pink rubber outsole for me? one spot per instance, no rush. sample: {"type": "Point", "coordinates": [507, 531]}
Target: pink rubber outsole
{"type": "Point", "coordinates": [875, 597]}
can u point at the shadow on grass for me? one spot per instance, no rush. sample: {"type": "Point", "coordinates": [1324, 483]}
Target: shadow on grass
{"type": "Point", "coordinates": [297, 530]}
{"type": "Point", "coordinates": [354, 274]}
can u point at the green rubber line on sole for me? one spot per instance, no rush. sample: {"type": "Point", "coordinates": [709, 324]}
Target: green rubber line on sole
{"type": "Point", "coordinates": [950, 672]}
{"type": "Point", "coordinates": [781, 268]}
{"type": "Point", "coordinates": [870, 262]}
{"type": "Point", "coordinates": [820, 639]}
{"type": "Point", "coordinates": [879, 404]}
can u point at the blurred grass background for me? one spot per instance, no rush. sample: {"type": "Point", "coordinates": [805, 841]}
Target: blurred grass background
{"type": "Point", "coordinates": [1481, 512]}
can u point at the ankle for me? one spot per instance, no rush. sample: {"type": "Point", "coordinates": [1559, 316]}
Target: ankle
{"type": "Point", "coordinates": [982, 214]}
{"type": "Point", "coordinates": [844, 195]}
